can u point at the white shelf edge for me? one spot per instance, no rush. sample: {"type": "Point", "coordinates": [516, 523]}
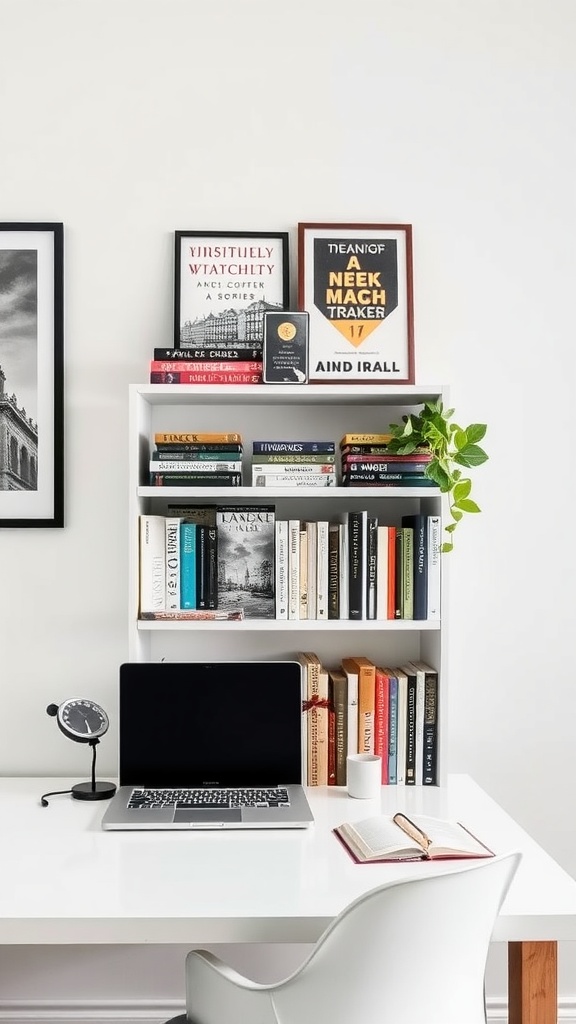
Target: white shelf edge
{"type": "Point", "coordinates": [294, 625]}
{"type": "Point", "coordinates": [263, 493]}
{"type": "Point", "coordinates": [342, 394]}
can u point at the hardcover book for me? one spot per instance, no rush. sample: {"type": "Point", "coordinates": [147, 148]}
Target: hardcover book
{"type": "Point", "coordinates": [285, 356]}
{"type": "Point", "coordinates": [293, 447]}
{"type": "Point", "coordinates": [246, 558]}
{"type": "Point", "coordinates": [152, 563]}
{"type": "Point", "coordinates": [417, 837]}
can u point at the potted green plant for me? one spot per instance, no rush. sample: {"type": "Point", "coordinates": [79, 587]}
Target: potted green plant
{"type": "Point", "coordinates": [451, 447]}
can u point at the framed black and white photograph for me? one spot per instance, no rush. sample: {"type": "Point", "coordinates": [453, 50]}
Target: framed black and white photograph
{"type": "Point", "coordinates": [224, 283]}
{"type": "Point", "coordinates": [355, 281]}
{"type": "Point", "coordinates": [31, 375]}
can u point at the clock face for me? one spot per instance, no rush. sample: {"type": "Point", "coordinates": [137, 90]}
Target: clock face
{"type": "Point", "coordinates": [82, 720]}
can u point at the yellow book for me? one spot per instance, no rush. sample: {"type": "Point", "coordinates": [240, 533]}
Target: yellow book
{"type": "Point", "coordinates": [206, 438]}
{"type": "Point", "coordinates": [365, 439]}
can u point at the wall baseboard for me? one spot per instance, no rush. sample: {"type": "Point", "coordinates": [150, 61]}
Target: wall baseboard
{"type": "Point", "coordinates": [130, 1012]}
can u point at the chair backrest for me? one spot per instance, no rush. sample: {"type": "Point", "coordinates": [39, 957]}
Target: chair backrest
{"type": "Point", "coordinates": [408, 952]}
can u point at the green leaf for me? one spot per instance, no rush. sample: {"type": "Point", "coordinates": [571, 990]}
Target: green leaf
{"type": "Point", "coordinates": [456, 513]}
{"type": "Point", "coordinates": [471, 455]}
{"type": "Point", "coordinates": [467, 505]}
{"type": "Point", "coordinates": [440, 477]}
{"type": "Point", "coordinates": [462, 490]}
{"type": "Point", "coordinates": [476, 432]}
{"type": "Point", "coordinates": [446, 547]}
{"type": "Point", "coordinates": [460, 438]}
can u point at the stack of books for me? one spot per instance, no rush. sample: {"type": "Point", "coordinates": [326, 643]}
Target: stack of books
{"type": "Point", "coordinates": [366, 462]}
{"type": "Point", "coordinates": [293, 463]}
{"type": "Point", "coordinates": [196, 460]}
{"type": "Point", "coordinates": [228, 363]}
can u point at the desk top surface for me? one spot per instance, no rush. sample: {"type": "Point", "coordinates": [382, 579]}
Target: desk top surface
{"type": "Point", "coordinates": [63, 880]}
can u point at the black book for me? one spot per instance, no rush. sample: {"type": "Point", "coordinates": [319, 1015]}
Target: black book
{"type": "Point", "coordinates": [210, 353]}
{"type": "Point", "coordinates": [411, 674]}
{"type": "Point", "coordinates": [201, 566]}
{"type": "Point", "coordinates": [333, 571]}
{"type": "Point", "coordinates": [419, 525]}
{"type": "Point", "coordinates": [371, 556]}
{"type": "Point", "coordinates": [357, 564]}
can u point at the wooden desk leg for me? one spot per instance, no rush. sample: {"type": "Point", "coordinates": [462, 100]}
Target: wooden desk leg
{"type": "Point", "coordinates": [532, 982]}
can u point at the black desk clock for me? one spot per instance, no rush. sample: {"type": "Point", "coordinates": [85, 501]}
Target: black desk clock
{"type": "Point", "coordinates": [83, 721]}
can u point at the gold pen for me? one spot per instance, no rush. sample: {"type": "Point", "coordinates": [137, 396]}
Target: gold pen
{"type": "Point", "coordinates": [420, 835]}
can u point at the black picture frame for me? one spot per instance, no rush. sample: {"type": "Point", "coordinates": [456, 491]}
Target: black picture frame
{"type": "Point", "coordinates": [32, 375]}
{"type": "Point", "coordinates": [223, 283]}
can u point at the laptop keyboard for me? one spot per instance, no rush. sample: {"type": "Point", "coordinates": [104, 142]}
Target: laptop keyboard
{"type": "Point", "coordinates": [209, 798]}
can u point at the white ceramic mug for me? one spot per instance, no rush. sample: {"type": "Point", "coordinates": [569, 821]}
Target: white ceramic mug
{"type": "Point", "coordinates": [364, 775]}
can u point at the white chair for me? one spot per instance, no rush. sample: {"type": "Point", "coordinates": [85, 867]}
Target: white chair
{"type": "Point", "coordinates": [411, 951]}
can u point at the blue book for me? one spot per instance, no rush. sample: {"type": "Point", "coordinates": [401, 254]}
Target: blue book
{"type": "Point", "coordinates": [392, 730]}
{"type": "Point", "coordinates": [293, 447]}
{"type": "Point", "coordinates": [188, 565]}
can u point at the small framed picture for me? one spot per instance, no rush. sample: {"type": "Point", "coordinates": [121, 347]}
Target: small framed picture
{"type": "Point", "coordinates": [285, 356]}
{"type": "Point", "coordinates": [31, 375]}
{"type": "Point", "coordinates": [355, 281]}
{"type": "Point", "coordinates": [224, 282]}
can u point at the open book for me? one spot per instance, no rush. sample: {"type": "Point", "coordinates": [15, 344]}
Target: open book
{"type": "Point", "coordinates": [416, 838]}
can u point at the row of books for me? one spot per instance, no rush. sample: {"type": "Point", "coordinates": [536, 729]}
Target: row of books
{"type": "Point", "coordinates": [227, 363]}
{"type": "Point", "coordinates": [362, 707]}
{"type": "Point", "coordinates": [293, 463]}
{"type": "Point", "coordinates": [211, 459]}
{"type": "Point", "coordinates": [366, 461]}
{"type": "Point", "coordinates": [242, 559]}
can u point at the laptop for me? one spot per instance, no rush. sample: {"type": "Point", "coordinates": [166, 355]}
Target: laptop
{"type": "Point", "coordinates": [210, 746]}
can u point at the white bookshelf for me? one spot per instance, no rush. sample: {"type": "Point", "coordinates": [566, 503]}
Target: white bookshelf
{"type": "Point", "coordinates": [280, 412]}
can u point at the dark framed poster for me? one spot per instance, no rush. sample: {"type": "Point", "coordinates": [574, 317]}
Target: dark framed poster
{"type": "Point", "coordinates": [355, 281]}
{"type": "Point", "coordinates": [224, 282]}
{"type": "Point", "coordinates": [31, 375]}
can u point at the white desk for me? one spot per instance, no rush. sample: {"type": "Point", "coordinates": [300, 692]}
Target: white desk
{"type": "Point", "coordinates": [63, 880]}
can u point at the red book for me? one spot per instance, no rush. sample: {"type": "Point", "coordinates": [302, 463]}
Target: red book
{"type": "Point", "coordinates": [381, 719]}
{"type": "Point", "coordinates": [204, 366]}
{"type": "Point", "coordinates": [208, 377]}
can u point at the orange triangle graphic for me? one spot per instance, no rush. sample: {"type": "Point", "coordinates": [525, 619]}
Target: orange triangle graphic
{"type": "Point", "coordinates": [356, 331]}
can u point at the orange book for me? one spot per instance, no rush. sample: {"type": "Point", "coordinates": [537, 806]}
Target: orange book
{"type": "Point", "coordinates": [366, 704]}
{"type": "Point", "coordinates": [381, 719]}
{"type": "Point", "coordinates": [206, 438]}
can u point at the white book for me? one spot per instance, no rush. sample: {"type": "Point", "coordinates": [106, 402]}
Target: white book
{"type": "Point", "coordinates": [285, 480]}
{"type": "Point", "coordinates": [322, 569]}
{"type": "Point", "coordinates": [152, 564]}
{"type": "Point", "coordinates": [283, 468]}
{"type": "Point", "coordinates": [351, 670]}
{"type": "Point", "coordinates": [382, 573]}
{"type": "Point", "coordinates": [172, 555]}
{"type": "Point", "coordinates": [293, 568]}
{"type": "Point", "coordinates": [401, 731]}
{"type": "Point", "coordinates": [312, 569]}
{"type": "Point", "coordinates": [281, 559]}
{"type": "Point", "coordinates": [343, 607]}
{"type": "Point", "coordinates": [434, 565]}
{"type": "Point", "coordinates": [188, 466]}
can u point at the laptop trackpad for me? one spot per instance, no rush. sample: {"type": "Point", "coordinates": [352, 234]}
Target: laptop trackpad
{"type": "Point", "coordinates": [207, 816]}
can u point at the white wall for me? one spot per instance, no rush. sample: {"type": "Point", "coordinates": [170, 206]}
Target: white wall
{"type": "Point", "coordinates": [128, 119]}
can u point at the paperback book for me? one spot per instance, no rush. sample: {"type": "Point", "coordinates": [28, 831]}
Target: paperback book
{"type": "Point", "coordinates": [246, 558]}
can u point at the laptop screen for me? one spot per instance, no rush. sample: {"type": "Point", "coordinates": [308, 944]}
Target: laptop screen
{"type": "Point", "coordinates": [210, 724]}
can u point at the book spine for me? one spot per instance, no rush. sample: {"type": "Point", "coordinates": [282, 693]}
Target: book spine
{"type": "Point", "coordinates": [279, 480]}
{"type": "Point", "coordinates": [398, 563]}
{"type": "Point", "coordinates": [333, 571]}
{"type": "Point", "coordinates": [365, 439]}
{"type": "Point", "coordinates": [378, 479]}
{"type": "Point", "coordinates": [357, 562]}
{"type": "Point", "coordinates": [434, 567]}
{"type": "Point", "coordinates": [371, 558]}
{"type": "Point", "coordinates": [192, 615]}
{"type": "Point", "coordinates": [381, 723]}
{"type": "Point", "coordinates": [311, 533]}
{"type": "Point", "coordinates": [407, 593]}
{"type": "Point", "coordinates": [411, 728]}
{"type": "Point", "coordinates": [221, 377]}
{"type": "Point", "coordinates": [192, 466]}
{"type": "Point", "coordinates": [212, 588]}
{"type": "Point", "coordinates": [429, 768]}
{"type": "Point", "coordinates": [380, 458]}
{"type": "Point", "coordinates": [152, 544]}
{"type": "Point", "coordinates": [179, 450]}
{"type": "Point", "coordinates": [381, 572]}
{"type": "Point", "coordinates": [420, 697]}
{"type": "Point", "coordinates": [202, 366]}
{"type": "Point", "coordinates": [293, 568]}
{"type": "Point", "coordinates": [402, 681]}
{"type": "Point", "coordinates": [281, 469]}
{"type": "Point", "coordinates": [195, 479]}
{"type": "Point", "coordinates": [194, 513]}
{"type": "Point", "coordinates": [391, 609]}
{"type": "Point", "coordinates": [172, 563]}
{"type": "Point", "coordinates": [351, 671]}
{"type": "Point", "coordinates": [322, 569]}
{"type": "Point", "coordinates": [366, 707]}
{"type": "Point", "coordinates": [234, 353]}
{"type": "Point", "coordinates": [202, 438]}
{"type": "Point", "coordinates": [286, 459]}
{"type": "Point", "coordinates": [293, 447]}
{"type": "Point", "coordinates": [281, 559]}
{"type": "Point", "coordinates": [191, 459]}
{"type": "Point", "coordinates": [331, 738]}
{"type": "Point", "coordinates": [188, 565]}
{"type": "Point", "coordinates": [419, 524]}
{"type": "Point", "coordinates": [317, 724]}
{"type": "Point", "coordinates": [201, 567]}
{"type": "Point", "coordinates": [356, 464]}
{"type": "Point", "coordinates": [340, 683]}
{"type": "Point", "coordinates": [343, 572]}
{"type": "Point", "coordinates": [392, 729]}
{"type": "Point", "coordinates": [303, 543]}
{"type": "Point", "coordinates": [367, 451]}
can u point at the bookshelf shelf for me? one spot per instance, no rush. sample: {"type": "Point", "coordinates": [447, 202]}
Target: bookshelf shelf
{"type": "Point", "coordinates": [281, 412]}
